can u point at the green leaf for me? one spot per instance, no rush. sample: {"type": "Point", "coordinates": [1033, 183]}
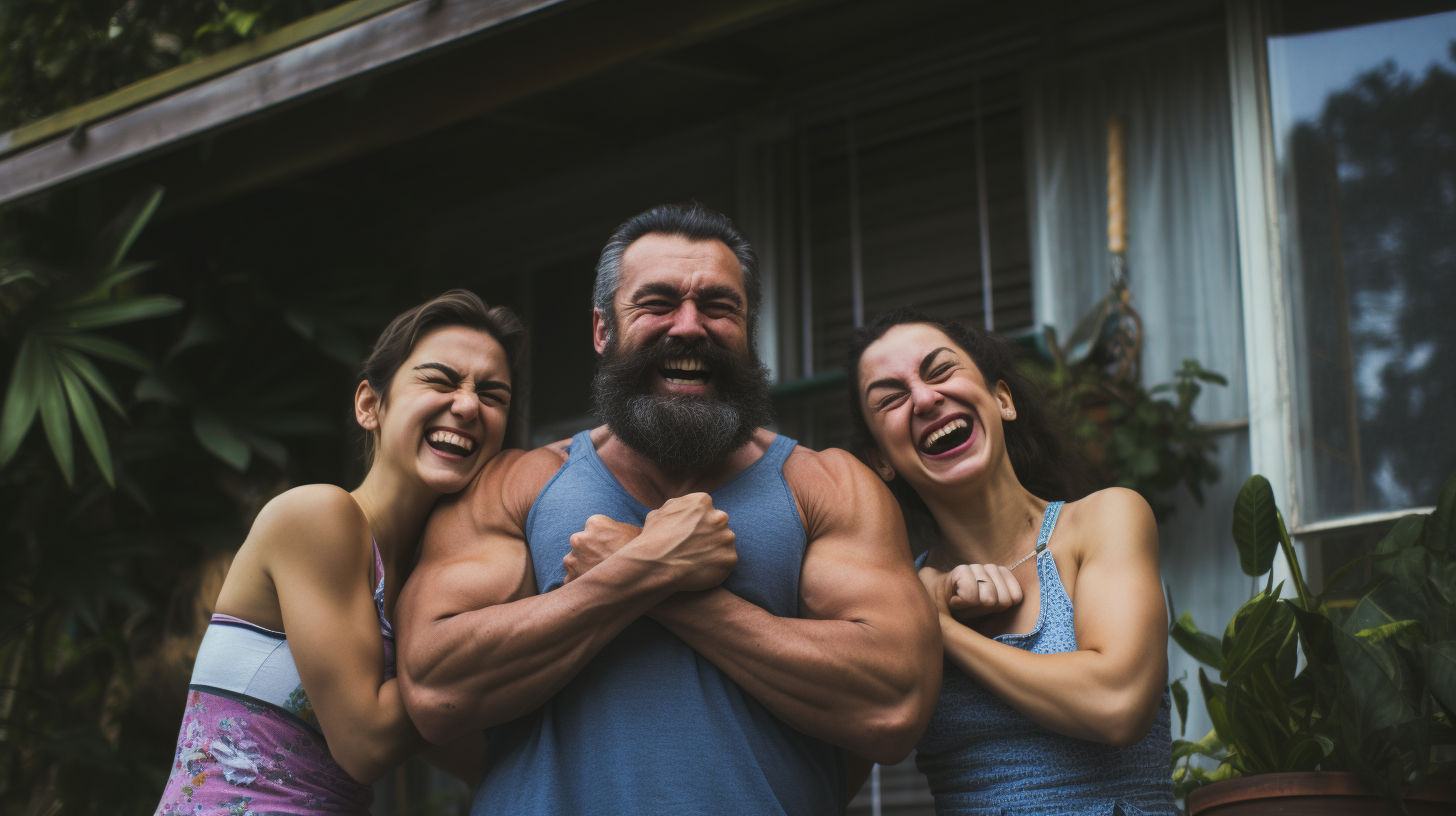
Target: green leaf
{"type": "Point", "coordinates": [21, 398]}
{"type": "Point", "coordinates": [118, 312]}
{"type": "Point", "coordinates": [220, 440]}
{"type": "Point", "coordinates": [54, 416]}
{"type": "Point", "coordinates": [1376, 634]}
{"type": "Point", "coordinates": [1440, 532]}
{"type": "Point", "coordinates": [266, 447]}
{"type": "Point", "coordinates": [1180, 700]}
{"type": "Point", "coordinates": [122, 275]}
{"type": "Point", "coordinates": [1255, 635]}
{"type": "Point", "coordinates": [104, 347]}
{"type": "Point", "coordinates": [1202, 646]}
{"type": "Point", "coordinates": [152, 388]}
{"type": "Point", "coordinates": [1214, 696]}
{"type": "Point", "coordinates": [86, 370]}
{"type": "Point", "coordinates": [118, 235]}
{"type": "Point", "coordinates": [1256, 526]}
{"type": "Point", "coordinates": [87, 420]}
{"type": "Point", "coordinates": [1441, 673]}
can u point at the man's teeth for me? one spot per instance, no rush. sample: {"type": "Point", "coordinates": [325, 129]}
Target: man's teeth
{"type": "Point", "coordinates": [452, 439]}
{"type": "Point", "coordinates": [953, 425]}
{"type": "Point", "coordinates": [686, 364]}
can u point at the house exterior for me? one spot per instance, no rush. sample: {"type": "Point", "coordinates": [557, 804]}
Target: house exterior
{"type": "Point", "coordinates": [1290, 201]}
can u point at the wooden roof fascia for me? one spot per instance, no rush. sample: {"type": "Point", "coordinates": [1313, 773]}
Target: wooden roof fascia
{"type": "Point", "coordinates": [175, 79]}
{"type": "Point", "coordinates": [383, 39]}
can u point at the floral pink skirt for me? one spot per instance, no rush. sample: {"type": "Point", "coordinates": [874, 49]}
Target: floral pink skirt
{"type": "Point", "coordinates": [244, 758]}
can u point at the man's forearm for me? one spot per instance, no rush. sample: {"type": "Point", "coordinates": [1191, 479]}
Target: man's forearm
{"type": "Point", "coordinates": [845, 682]}
{"type": "Point", "coordinates": [487, 666]}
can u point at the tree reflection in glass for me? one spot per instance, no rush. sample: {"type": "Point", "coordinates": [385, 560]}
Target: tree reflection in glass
{"type": "Point", "coordinates": [1368, 216]}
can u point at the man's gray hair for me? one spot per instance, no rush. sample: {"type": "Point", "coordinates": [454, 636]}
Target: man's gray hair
{"type": "Point", "coordinates": [691, 221]}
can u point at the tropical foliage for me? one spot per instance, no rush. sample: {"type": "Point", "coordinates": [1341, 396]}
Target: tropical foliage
{"type": "Point", "coordinates": [60, 53]}
{"type": "Point", "coordinates": [219, 388]}
{"type": "Point", "coordinates": [1377, 693]}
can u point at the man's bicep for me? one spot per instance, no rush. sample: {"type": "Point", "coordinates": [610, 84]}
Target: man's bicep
{"type": "Point", "coordinates": [466, 566]}
{"type": "Point", "coordinates": [857, 564]}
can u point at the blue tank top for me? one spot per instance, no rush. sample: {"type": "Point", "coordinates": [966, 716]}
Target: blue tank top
{"type": "Point", "coordinates": [985, 758]}
{"type": "Point", "coordinates": [650, 726]}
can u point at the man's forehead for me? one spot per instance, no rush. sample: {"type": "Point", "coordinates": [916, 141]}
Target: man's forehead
{"type": "Point", "coordinates": [681, 262]}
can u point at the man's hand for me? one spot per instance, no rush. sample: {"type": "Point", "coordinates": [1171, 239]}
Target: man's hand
{"type": "Point", "coordinates": [602, 537]}
{"type": "Point", "coordinates": [972, 590]}
{"type": "Point", "coordinates": [689, 538]}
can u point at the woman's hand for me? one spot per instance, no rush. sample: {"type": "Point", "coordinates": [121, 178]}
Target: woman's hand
{"type": "Point", "coordinates": [972, 590]}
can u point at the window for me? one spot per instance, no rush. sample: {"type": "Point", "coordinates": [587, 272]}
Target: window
{"type": "Point", "coordinates": [1363, 112]}
{"type": "Point", "coordinates": [920, 201]}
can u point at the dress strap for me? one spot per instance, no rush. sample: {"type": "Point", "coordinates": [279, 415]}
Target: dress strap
{"type": "Point", "coordinates": [1048, 523]}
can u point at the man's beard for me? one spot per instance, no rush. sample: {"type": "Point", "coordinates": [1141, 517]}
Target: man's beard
{"type": "Point", "coordinates": [681, 431]}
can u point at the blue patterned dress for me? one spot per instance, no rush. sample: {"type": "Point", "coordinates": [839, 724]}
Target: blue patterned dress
{"type": "Point", "coordinates": [985, 758]}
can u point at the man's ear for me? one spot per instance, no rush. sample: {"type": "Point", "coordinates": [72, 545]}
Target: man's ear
{"type": "Point", "coordinates": [366, 407]}
{"type": "Point", "coordinates": [1003, 399]}
{"type": "Point", "coordinates": [601, 333]}
{"type": "Point", "coordinates": [880, 466]}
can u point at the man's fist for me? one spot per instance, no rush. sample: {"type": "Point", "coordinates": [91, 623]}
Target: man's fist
{"type": "Point", "coordinates": [601, 537]}
{"type": "Point", "coordinates": [689, 537]}
{"type": "Point", "coordinates": [972, 590]}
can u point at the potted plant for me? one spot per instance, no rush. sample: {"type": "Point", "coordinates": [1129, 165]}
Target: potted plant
{"type": "Point", "coordinates": [1369, 716]}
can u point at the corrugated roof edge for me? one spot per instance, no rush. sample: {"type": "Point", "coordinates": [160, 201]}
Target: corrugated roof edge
{"type": "Point", "coordinates": [193, 73]}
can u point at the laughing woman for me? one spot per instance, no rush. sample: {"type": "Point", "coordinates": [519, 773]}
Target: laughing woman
{"type": "Point", "coordinates": [1051, 607]}
{"type": "Point", "coordinates": [293, 705]}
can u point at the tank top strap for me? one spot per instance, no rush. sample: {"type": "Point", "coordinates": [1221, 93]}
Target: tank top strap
{"type": "Point", "coordinates": [1048, 523]}
{"type": "Point", "coordinates": [580, 447]}
{"type": "Point", "coordinates": [778, 451]}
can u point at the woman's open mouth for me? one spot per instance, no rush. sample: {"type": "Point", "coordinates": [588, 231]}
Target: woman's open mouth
{"type": "Point", "coordinates": [947, 437]}
{"type": "Point", "coordinates": [449, 442]}
{"type": "Point", "coordinates": [687, 371]}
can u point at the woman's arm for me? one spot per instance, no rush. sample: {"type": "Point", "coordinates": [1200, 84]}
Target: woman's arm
{"type": "Point", "coordinates": [1109, 688]}
{"type": "Point", "coordinates": [314, 545]}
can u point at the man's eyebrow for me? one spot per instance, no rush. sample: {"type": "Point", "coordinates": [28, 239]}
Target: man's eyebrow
{"type": "Point", "coordinates": [662, 289]}
{"type": "Point", "coordinates": [929, 359]}
{"type": "Point", "coordinates": [721, 292]}
{"type": "Point", "coordinates": [450, 373]}
{"type": "Point", "coordinates": [658, 288]}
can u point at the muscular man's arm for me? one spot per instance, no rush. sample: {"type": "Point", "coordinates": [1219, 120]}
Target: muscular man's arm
{"type": "Point", "coordinates": [478, 646]}
{"type": "Point", "coordinates": [861, 669]}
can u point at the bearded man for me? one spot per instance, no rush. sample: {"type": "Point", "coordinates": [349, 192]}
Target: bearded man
{"type": "Point", "coordinates": [679, 611]}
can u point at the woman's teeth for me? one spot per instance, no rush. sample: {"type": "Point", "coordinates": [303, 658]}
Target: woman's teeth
{"type": "Point", "coordinates": [689, 371]}
{"type": "Point", "coordinates": [942, 432]}
{"type": "Point", "coordinates": [464, 444]}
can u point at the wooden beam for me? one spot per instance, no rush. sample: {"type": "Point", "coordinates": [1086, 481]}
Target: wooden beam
{"type": "Point", "coordinates": [430, 94]}
{"type": "Point", "coordinates": [262, 86]}
{"type": "Point", "coordinates": [182, 76]}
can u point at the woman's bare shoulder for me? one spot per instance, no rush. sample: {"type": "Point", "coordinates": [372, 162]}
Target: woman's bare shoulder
{"type": "Point", "coordinates": [321, 519]}
{"type": "Point", "coordinates": [1114, 519]}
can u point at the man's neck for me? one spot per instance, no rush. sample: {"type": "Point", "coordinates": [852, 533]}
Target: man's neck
{"type": "Point", "coordinates": [653, 484]}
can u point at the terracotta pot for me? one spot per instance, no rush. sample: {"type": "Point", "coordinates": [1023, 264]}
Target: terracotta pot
{"type": "Point", "coordinates": [1314, 793]}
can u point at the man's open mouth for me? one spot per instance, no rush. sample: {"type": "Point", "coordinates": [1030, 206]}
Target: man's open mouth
{"type": "Point", "coordinates": [947, 437]}
{"type": "Point", "coordinates": [449, 441]}
{"type": "Point", "coordinates": [686, 371]}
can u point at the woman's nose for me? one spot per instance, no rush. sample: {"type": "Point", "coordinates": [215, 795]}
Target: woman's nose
{"type": "Point", "coordinates": [465, 404]}
{"type": "Point", "coordinates": [923, 397]}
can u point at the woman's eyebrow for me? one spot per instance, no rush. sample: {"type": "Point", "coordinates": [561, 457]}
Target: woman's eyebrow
{"type": "Point", "coordinates": [886, 383]}
{"type": "Point", "coordinates": [450, 373]}
{"type": "Point", "coordinates": [929, 359]}
{"type": "Point", "coordinates": [492, 385]}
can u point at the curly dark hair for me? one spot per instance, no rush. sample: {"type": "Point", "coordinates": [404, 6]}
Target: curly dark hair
{"type": "Point", "coordinates": [1045, 458]}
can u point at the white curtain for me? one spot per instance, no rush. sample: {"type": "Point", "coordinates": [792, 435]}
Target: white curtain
{"type": "Point", "coordinates": [1182, 259]}
{"type": "Point", "coordinates": [1182, 252]}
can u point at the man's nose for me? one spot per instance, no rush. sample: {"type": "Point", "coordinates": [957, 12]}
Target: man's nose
{"type": "Point", "coordinates": [923, 398]}
{"type": "Point", "coordinates": [687, 322]}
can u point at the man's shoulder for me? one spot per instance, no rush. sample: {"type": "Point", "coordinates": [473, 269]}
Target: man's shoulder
{"type": "Point", "coordinates": [829, 467]}
{"type": "Point", "coordinates": [513, 478]}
